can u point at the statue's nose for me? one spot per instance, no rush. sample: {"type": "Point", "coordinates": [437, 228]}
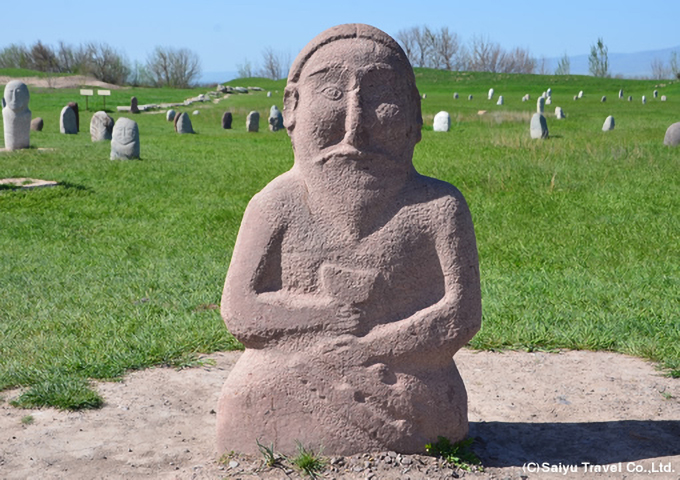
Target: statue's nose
{"type": "Point", "coordinates": [356, 128]}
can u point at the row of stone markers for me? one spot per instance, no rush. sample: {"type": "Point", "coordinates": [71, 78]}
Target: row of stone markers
{"type": "Point", "coordinates": [547, 97]}
{"type": "Point", "coordinates": [183, 125]}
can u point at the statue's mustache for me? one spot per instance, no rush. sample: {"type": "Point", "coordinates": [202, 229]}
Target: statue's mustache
{"type": "Point", "coordinates": [350, 153]}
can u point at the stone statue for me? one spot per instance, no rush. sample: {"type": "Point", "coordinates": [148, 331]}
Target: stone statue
{"type": "Point", "coordinates": [16, 116]}
{"type": "Point", "coordinates": [125, 140]}
{"type": "Point", "coordinates": [354, 279]}
{"type": "Point", "coordinates": [101, 127]}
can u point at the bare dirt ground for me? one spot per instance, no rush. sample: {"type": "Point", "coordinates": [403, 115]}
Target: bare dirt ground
{"type": "Point", "coordinates": [582, 411]}
{"type": "Point", "coordinates": [74, 81]}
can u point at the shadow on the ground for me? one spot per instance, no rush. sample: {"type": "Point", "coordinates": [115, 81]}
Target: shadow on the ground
{"type": "Point", "coordinates": [502, 444]}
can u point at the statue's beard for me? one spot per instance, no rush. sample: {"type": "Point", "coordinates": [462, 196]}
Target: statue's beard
{"type": "Point", "coordinates": [352, 185]}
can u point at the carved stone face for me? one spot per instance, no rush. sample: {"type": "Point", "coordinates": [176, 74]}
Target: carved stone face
{"type": "Point", "coordinates": [353, 104]}
{"type": "Point", "coordinates": [16, 96]}
{"type": "Point", "coordinates": [125, 133]}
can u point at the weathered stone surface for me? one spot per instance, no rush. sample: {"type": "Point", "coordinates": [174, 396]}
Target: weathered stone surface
{"type": "Point", "coordinates": [442, 122]}
{"type": "Point", "coordinates": [540, 105]}
{"type": "Point", "coordinates": [663, 98]}
{"type": "Point", "coordinates": [241, 89]}
{"type": "Point", "coordinates": [490, 95]}
{"type": "Point", "coordinates": [424, 96]}
{"type": "Point", "coordinates": [226, 120]}
{"type": "Point", "coordinates": [269, 94]}
{"type": "Point", "coordinates": [500, 101]}
{"type": "Point", "coordinates": [37, 124]}
{"type": "Point", "coordinates": [354, 279]}
{"type": "Point", "coordinates": [672, 137]}
{"type": "Point", "coordinates": [125, 140]}
{"type": "Point", "coordinates": [134, 107]}
{"type": "Point", "coordinates": [470, 97]}
{"type": "Point", "coordinates": [548, 92]}
{"type": "Point", "coordinates": [580, 94]}
{"type": "Point", "coordinates": [630, 98]}
{"type": "Point", "coordinates": [16, 117]}
{"type": "Point", "coordinates": [608, 124]}
{"type": "Point", "coordinates": [170, 115]}
{"type": "Point", "coordinates": [548, 100]}
{"type": "Point", "coordinates": [183, 124]}
{"type": "Point", "coordinates": [656, 93]}
{"type": "Point", "coordinates": [275, 119]}
{"type": "Point", "coordinates": [253, 121]}
{"type": "Point", "coordinates": [559, 113]}
{"type": "Point", "coordinates": [67, 121]}
{"type": "Point", "coordinates": [196, 112]}
{"type": "Point", "coordinates": [621, 93]}
{"type": "Point", "coordinates": [538, 128]}
{"type": "Point", "coordinates": [455, 95]}
{"type": "Point", "coordinates": [174, 122]}
{"type": "Point", "coordinates": [101, 127]}
{"type": "Point", "coordinates": [644, 99]}
{"type": "Point", "coordinates": [603, 99]}
{"type": "Point", "coordinates": [74, 107]}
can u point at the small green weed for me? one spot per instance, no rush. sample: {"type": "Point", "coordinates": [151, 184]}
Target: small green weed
{"type": "Point", "coordinates": [67, 393]}
{"type": "Point", "coordinates": [27, 420]}
{"type": "Point", "coordinates": [666, 395]}
{"type": "Point", "coordinates": [309, 461]}
{"type": "Point", "coordinates": [271, 457]}
{"type": "Point", "coordinates": [459, 455]}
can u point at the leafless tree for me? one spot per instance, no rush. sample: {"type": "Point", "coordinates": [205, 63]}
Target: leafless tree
{"type": "Point", "coordinates": [445, 50]}
{"type": "Point", "coordinates": [72, 59]}
{"type": "Point", "coordinates": [171, 67]}
{"type": "Point", "coordinates": [245, 69]}
{"type": "Point", "coordinates": [105, 63]}
{"type": "Point", "coordinates": [484, 54]}
{"type": "Point", "coordinates": [14, 56]}
{"type": "Point", "coordinates": [275, 65]}
{"type": "Point", "coordinates": [407, 41]}
{"type": "Point", "coordinates": [659, 69]}
{"type": "Point", "coordinates": [517, 60]}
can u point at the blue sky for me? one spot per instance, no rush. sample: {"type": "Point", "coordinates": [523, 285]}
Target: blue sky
{"type": "Point", "coordinates": [225, 33]}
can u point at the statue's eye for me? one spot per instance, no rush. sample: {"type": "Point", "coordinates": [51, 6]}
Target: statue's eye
{"type": "Point", "coordinates": [332, 92]}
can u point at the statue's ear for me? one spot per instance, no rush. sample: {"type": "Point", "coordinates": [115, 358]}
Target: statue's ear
{"type": "Point", "coordinates": [290, 102]}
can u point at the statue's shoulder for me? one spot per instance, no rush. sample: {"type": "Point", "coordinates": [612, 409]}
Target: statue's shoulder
{"type": "Point", "coordinates": [283, 193]}
{"type": "Point", "coordinates": [434, 193]}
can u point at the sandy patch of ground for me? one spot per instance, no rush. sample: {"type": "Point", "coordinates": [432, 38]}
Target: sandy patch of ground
{"type": "Point", "coordinates": [570, 408]}
{"type": "Point", "coordinates": [74, 81]}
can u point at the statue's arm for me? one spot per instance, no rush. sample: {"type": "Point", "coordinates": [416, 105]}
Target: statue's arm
{"type": "Point", "coordinates": [255, 308]}
{"type": "Point", "coordinates": [444, 327]}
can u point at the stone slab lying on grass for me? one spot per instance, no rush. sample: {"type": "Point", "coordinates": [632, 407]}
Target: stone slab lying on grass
{"type": "Point", "coordinates": [25, 182]}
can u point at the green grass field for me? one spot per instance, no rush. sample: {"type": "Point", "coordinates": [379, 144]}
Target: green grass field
{"type": "Point", "coordinates": [121, 266]}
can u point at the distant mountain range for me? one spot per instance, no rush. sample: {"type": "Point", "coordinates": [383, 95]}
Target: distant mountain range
{"type": "Point", "coordinates": [626, 64]}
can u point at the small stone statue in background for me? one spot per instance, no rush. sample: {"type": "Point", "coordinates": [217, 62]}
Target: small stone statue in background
{"type": "Point", "coordinates": [16, 116]}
